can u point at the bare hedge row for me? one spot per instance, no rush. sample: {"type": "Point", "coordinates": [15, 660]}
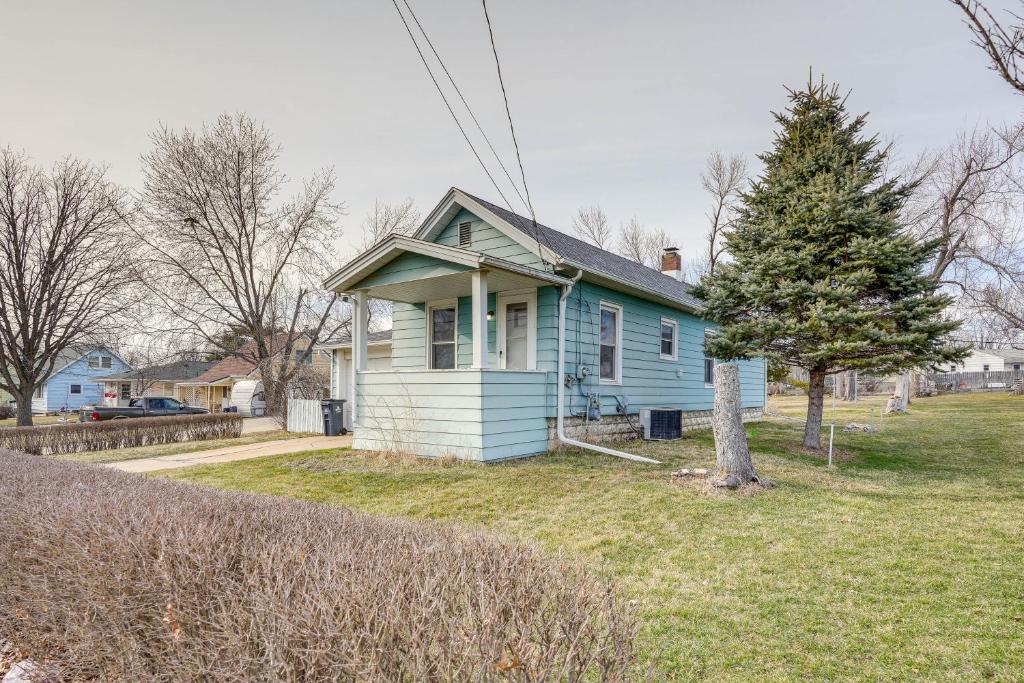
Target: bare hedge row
{"type": "Point", "coordinates": [118, 577]}
{"type": "Point", "coordinates": [77, 437]}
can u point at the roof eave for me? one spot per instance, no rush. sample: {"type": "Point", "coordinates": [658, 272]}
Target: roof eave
{"type": "Point", "coordinates": [632, 288]}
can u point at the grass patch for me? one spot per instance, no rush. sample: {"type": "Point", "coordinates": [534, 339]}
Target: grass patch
{"type": "Point", "coordinates": [902, 563]}
{"type": "Point", "coordinates": [40, 420]}
{"type": "Point", "coordinates": [119, 454]}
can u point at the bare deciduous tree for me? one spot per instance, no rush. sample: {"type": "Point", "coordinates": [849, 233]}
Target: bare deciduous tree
{"type": "Point", "coordinates": [67, 268]}
{"type": "Point", "coordinates": [969, 202]}
{"type": "Point", "coordinates": [228, 254]}
{"type": "Point", "coordinates": [386, 219]}
{"type": "Point", "coordinates": [591, 225]}
{"type": "Point", "coordinates": [641, 244]}
{"type": "Point", "coordinates": [724, 178]}
{"type": "Point", "coordinates": [1004, 45]}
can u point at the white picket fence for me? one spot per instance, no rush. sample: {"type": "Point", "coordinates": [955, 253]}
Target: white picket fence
{"type": "Point", "coordinates": [305, 415]}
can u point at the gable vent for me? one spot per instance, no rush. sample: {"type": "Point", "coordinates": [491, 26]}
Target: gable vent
{"type": "Point", "coordinates": [465, 234]}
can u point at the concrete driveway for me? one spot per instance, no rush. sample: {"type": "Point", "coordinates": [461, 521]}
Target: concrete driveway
{"type": "Point", "coordinates": [233, 453]}
{"type": "Point", "coordinates": [255, 425]}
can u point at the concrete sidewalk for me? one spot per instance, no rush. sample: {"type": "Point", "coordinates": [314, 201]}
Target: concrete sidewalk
{"type": "Point", "coordinates": [233, 453]}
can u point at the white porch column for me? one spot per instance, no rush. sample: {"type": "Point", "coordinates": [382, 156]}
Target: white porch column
{"type": "Point", "coordinates": [479, 319]}
{"type": "Point", "coordinates": [360, 332]}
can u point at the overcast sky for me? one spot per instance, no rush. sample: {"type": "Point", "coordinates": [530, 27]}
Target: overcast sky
{"type": "Point", "coordinates": [616, 103]}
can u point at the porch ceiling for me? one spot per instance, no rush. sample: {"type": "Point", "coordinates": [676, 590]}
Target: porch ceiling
{"type": "Point", "coordinates": [452, 286]}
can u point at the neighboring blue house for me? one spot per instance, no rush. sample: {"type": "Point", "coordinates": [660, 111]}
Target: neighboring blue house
{"type": "Point", "coordinates": [479, 296]}
{"type": "Point", "coordinates": [75, 381]}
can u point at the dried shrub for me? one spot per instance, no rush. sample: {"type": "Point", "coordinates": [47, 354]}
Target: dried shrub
{"type": "Point", "coordinates": [118, 577]}
{"type": "Point", "coordinates": [78, 437]}
{"type": "Point", "coordinates": [6, 411]}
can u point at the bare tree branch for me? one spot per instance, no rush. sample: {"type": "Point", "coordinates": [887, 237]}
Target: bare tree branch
{"type": "Point", "coordinates": [591, 225]}
{"type": "Point", "coordinates": [1004, 45]}
{"type": "Point", "coordinates": [386, 219]}
{"type": "Point", "coordinates": [228, 256]}
{"type": "Point", "coordinates": [642, 244]}
{"type": "Point", "coordinates": [68, 272]}
{"type": "Point", "coordinates": [724, 179]}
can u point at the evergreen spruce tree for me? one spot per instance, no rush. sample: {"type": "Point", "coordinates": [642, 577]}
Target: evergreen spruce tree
{"type": "Point", "coordinates": [823, 274]}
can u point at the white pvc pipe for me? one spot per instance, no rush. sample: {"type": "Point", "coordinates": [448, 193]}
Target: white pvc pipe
{"type": "Point", "coordinates": [560, 412]}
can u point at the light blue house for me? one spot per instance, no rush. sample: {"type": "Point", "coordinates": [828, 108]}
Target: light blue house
{"type": "Point", "coordinates": [76, 379]}
{"type": "Point", "coordinates": [509, 338]}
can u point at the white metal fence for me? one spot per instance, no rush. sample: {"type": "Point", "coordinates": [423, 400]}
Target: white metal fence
{"type": "Point", "coordinates": [305, 415]}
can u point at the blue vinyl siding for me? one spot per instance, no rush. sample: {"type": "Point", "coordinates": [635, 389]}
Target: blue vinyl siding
{"type": "Point", "coordinates": [487, 239]}
{"type": "Point", "coordinates": [471, 414]}
{"type": "Point", "coordinates": [58, 388]}
{"type": "Point", "coordinates": [408, 267]}
{"type": "Point", "coordinates": [647, 380]}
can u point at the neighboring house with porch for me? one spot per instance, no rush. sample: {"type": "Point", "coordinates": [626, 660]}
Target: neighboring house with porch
{"type": "Point", "coordinates": [156, 380]}
{"type": "Point", "coordinates": [76, 379]}
{"type": "Point", "coordinates": [378, 358]}
{"type": "Point", "coordinates": [500, 326]}
{"type": "Point", "coordinates": [212, 388]}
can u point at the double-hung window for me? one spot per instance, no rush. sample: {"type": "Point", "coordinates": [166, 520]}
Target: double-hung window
{"type": "Point", "coordinates": [709, 363]}
{"type": "Point", "coordinates": [611, 343]}
{"type": "Point", "coordinates": [442, 318]}
{"type": "Point", "coordinates": [669, 336]}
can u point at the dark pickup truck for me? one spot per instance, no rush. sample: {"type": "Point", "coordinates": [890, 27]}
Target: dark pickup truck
{"type": "Point", "coordinates": [146, 406]}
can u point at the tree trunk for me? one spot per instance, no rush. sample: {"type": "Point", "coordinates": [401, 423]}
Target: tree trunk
{"type": "Point", "coordinates": [815, 408]}
{"type": "Point", "coordinates": [23, 416]}
{"type": "Point", "coordinates": [847, 385]}
{"type": "Point", "coordinates": [732, 455]}
{"type": "Point", "coordinates": [901, 396]}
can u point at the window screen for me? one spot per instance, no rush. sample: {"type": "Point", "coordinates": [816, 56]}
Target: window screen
{"type": "Point", "coordinates": [609, 344]}
{"type": "Point", "coordinates": [442, 338]}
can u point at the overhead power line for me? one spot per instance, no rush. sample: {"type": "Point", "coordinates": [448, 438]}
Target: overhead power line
{"type": "Point", "coordinates": [448, 105]}
{"type": "Point", "coordinates": [512, 130]}
{"type": "Point", "coordinates": [469, 109]}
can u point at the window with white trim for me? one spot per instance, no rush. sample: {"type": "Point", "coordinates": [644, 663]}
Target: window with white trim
{"type": "Point", "coordinates": [442, 319]}
{"type": "Point", "coordinates": [709, 363]}
{"type": "Point", "coordinates": [611, 343]}
{"type": "Point", "coordinates": [99, 362]}
{"type": "Point", "coordinates": [669, 339]}
{"type": "Point", "coordinates": [40, 390]}
{"type": "Point", "coordinates": [75, 389]}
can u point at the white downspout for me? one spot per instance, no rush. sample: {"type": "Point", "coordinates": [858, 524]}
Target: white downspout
{"type": "Point", "coordinates": [560, 411]}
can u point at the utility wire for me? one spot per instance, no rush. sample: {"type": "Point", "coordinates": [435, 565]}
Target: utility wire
{"type": "Point", "coordinates": [449, 106]}
{"type": "Point", "coordinates": [469, 109]}
{"type": "Point", "coordinates": [512, 129]}
{"type": "Point", "coordinates": [508, 112]}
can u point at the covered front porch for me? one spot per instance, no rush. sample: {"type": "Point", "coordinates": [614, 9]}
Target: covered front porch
{"type": "Point", "coordinates": [472, 359]}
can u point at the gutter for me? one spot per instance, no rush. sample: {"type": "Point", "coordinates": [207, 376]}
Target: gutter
{"type": "Point", "coordinates": [560, 411]}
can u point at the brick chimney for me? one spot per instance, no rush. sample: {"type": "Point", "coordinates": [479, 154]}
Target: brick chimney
{"type": "Point", "coordinates": [672, 263]}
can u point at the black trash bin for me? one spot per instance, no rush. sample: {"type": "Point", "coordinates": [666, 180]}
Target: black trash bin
{"type": "Point", "coordinates": [334, 416]}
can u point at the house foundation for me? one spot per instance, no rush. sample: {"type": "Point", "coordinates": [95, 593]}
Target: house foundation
{"type": "Point", "coordinates": [622, 428]}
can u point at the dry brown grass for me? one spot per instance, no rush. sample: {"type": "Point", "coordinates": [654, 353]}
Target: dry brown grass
{"type": "Point", "coordinates": [79, 437]}
{"type": "Point", "coordinates": [118, 577]}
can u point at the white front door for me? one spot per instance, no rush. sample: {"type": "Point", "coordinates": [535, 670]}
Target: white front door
{"type": "Point", "coordinates": [517, 330]}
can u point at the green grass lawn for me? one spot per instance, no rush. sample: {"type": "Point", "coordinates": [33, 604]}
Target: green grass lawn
{"type": "Point", "coordinates": [119, 454]}
{"type": "Point", "coordinates": [40, 420]}
{"type": "Point", "coordinates": [904, 562]}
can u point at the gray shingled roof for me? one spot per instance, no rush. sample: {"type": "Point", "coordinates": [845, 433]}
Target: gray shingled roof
{"type": "Point", "coordinates": [171, 372]}
{"type": "Point", "coordinates": [346, 339]}
{"type": "Point", "coordinates": [1013, 355]}
{"type": "Point", "coordinates": [598, 260]}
